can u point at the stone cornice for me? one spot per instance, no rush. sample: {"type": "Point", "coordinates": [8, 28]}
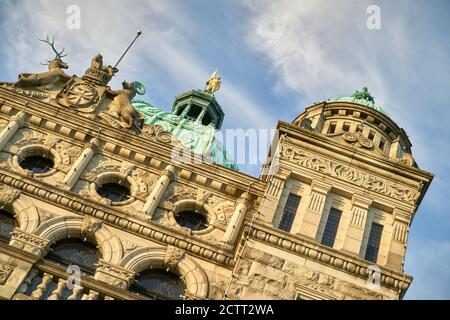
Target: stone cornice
{"type": "Point", "coordinates": [125, 139]}
{"type": "Point", "coordinates": [341, 261]}
{"type": "Point", "coordinates": [82, 206]}
{"type": "Point", "coordinates": [325, 143]}
{"type": "Point", "coordinates": [342, 171]}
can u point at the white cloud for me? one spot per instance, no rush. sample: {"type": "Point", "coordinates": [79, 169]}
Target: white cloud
{"type": "Point", "coordinates": [163, 52]}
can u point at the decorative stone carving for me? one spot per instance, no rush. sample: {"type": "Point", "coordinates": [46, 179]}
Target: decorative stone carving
{"type": "Point", "coordinates": [121, 108]}
{"type": "Point", "coordinates": [5, 272]}
{"type": "Point", "coordinates": [114, 275]}
{"type": "Point", "coordinates": [359, 138]}
{"type": "Point", "coordinates": [173, 257]}
{"type": "Point", "coordinates": [357, 177]}
{"type": "Point", "coordinates": [128, 246]}
{"type": "Point", "coordinates": [7, 196]}
{"type": "Point", "coordinates": [54, 74]}
{"type": "Point", "coordinates": [29, 242]}
{"type": "Point", "coordinates": [407, 159]}
{"type": "Point", "coordinates": [89, 227]}
{"type": "Point", "coordinates": [157, 133]}
{"type": "Point", "coordinates": [27, 136]}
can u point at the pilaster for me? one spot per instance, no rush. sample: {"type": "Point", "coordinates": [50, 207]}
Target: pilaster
{"type": "Point", "coordinates": [355, 229]}
{"type": "Point", "coordinates": [314, 210]}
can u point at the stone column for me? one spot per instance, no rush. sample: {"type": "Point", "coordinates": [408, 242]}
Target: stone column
{"type": "Point", "coordinates": [356, 227]}
{"type": "Point", "coordinates": [14, 124]}
{"type": "Point", "coordinates": [313, 214]}
{"type": "Point", "coordinates": [236, 220]}
{"type": "Point", "coordinates": [397, 244]}
{"type": "Point", "coordinates": [83, 160]}
{"type": "Point", "coordinates": [158, 191]}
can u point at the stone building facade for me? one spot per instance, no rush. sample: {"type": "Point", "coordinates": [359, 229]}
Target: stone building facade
{"type": "Point", "coordinates": [88, 177]}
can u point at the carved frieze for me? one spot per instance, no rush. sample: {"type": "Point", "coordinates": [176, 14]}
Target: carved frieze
{"type": "Point", "coordinates": [5, 272]}
{"type": "Point", "coordinates": [369, 181]}
{"type": "Point", "coordinates": [114, 275]}
{"type": "Point", "coordinates": [29, 242]}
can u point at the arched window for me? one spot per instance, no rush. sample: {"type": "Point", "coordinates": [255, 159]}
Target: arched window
{"type": "Point", "coordinates": [74, 252]}
{"type": "Point", "coordinates": [159, 285]}
{"type": "Point", "coordinates": [7, 225]}
{"type": "Point", "coordinates": [191, 220]}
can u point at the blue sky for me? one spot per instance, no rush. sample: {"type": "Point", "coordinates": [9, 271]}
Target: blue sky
{"type": "Point", "coordinates": [275, 59]}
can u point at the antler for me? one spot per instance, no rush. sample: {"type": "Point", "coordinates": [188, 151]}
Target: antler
{"type": "Point", "coordinates": [59, 55]}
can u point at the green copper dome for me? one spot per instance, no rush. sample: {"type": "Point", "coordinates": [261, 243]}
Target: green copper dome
{"type": "Point", "coordinates": [192, 132]}
{"type": "Point", "coordinates": [362, 97]}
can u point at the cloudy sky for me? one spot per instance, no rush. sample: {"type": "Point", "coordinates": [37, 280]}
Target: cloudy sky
{"type": "Point", "coordinates": [275, 59]}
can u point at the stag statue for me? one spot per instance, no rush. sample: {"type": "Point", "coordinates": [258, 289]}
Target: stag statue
{"type": "Point", "coordinates": [54, 74]}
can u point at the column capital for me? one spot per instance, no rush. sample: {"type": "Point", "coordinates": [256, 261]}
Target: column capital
{"type": "Point", "coordinates": [361, 201]}
{"type": "Point", "coordinates": [169, 171]}
{"type": "Point", "coordinates": [401, 215]}
{"type": "Point", "coordinates": [320, 187]}
{"type": "Point", "coordinates": [19, 117]}
{"type": "Point", "coordinates": [93, 144]}
{"type": "Point", "coordinates": [114, 275]}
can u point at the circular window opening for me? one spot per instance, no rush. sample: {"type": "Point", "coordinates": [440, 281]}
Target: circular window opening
{"type": "Point", "coordinates": [191, 220]}
{"type": "Point", "coordinates": [114, 192]}
{"type": "Point", "coordinates": [37, 164]}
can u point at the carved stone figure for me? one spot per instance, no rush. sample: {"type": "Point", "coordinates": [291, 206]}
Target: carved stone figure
{"type": "Point", "coordinates": [122, 108]}
{"type": "Point", "coordinates": [97, 73]}
{"type": "Point", "coordinates": [54, 74]}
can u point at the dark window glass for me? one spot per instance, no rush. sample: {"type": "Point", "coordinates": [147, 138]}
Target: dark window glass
{"type": "Point", "coordinates": [191, 220]}
{"type": "Point", "coordinates": [382, 144]}
{"type": "Point", "coordinates": [371, 135]}
{"type": "Point", "coordinates": [180, 110]}
{"type": "Point", "coordinates": [373, 243]}
{"type": "Point", "coordinates": [346, 127]}
{"type": "Point", "coordinates": [37, 164]}
{"type": "Point", "coordinates": [332, 128]}
{"type": "Point", "coordinates": [207, 119]}
{"type": "Point", "coordinates": [194, 112]}
{"type": "Point", "coordinates": [114, 192]}
{"type": "Point", "coordinates": [158, 284]}
{"type": "Point", "coordinates": [329, 234]}
{"type": "Point", "coordinates": [74, 252]}
{"type": "Point", "coordinates": [7, 225]}
{"type": "Point", "coordinates": [290, 209]}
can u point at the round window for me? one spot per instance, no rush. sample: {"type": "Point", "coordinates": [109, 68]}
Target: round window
{"type": "Point", "coordinates": [114, 192]}
{"type": "Point", "coordinates": [37, 164]}
{"type": "Point", "coordinates": [191, 220]}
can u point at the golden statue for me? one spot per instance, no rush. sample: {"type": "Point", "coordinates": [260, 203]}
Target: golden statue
{"type": "Point", "coordinates": [213, 83]}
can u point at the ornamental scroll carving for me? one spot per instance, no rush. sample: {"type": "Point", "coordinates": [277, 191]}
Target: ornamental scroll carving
{"type": "Point", "coordinates": [357, 177]}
